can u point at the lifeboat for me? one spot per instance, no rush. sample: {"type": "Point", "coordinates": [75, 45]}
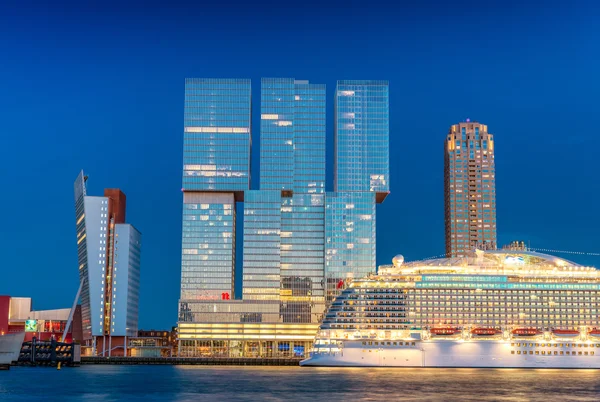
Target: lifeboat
{"type": "Point", "coordinates": [484, 331]}
{"type": "Point", "coordinates": [594, 333]}
{"type": "Point", "coordinates": [444, 331]}
{"type": "Point", "coordinates": [565, 333]}
{"type": "Point", "coordinates": [526, 332]}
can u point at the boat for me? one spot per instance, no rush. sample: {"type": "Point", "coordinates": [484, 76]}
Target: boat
{"type": "Point", "coordinates": [10, 346]}
{"type": "Point", "coordinates": [444, 331]}
{"type": "Point", "coordinates": [565, 333]}
{"type": "Point", "coordinates": [485, 331]}
{"type": "Point", "coordinates": [472, 311]}
{"type": "Point", "coordinates": [526, 332]}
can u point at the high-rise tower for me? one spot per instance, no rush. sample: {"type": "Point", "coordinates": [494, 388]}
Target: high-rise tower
{"type": "Point", "coordinates": [109, 265]}
{"type": "Point", "coordinates": [216, 172]}
{"type": "Point", "coordinates": [361, 179]}
{"type": "Point", "coordinates": [285, 220]}
{"type": "Point", "coordinates": [299, 242]}
{"type": "Point", "coordinates": [470, 189]}
{"type": "Point", "coordinates": [282, 295]}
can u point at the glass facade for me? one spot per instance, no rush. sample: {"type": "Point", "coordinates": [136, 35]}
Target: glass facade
{"type": "Point", "coordinates": [96, 235]}
{"type": "Point", "coordinates": [292, 136]}
{"type": "Point", "coordinates": [302, 257]}
{"type": "Point", "coordinates": [216, 137]}
{"type": "Point", "coordinates": [292, 161]}
{"type": "Point", "coordinates": [126, 283]}
{"type": "Point", "coordinates": [361, 179]}
{"type": "Point", "coordinates": [350, 238]}
{"type": "Point", "coordinates": [362, 137]}
{"type": "Point", "coordinates": [216, 172]}
{"type": "Point", "coordinates": [80, 194]}
{"type": "Point", "coordinates": [277, 134]}
{"type": "Point", "coordinates": [262, 227]}
{"type": "Point", "coordinates": [208, 246]}
{"type": "Point", "coordinates": [286, 222]}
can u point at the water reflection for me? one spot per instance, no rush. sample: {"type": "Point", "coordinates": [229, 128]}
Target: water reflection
{"type": "Point", "coordinates": [224, 383]}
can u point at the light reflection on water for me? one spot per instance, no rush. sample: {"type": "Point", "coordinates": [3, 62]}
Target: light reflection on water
{"type": "Point", "coordinates": [226, 383]}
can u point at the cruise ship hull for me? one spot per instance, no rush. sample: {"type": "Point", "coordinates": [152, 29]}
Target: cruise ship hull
{"type": "Point", "coordinates": [10, 347]}
{"type": "Point", "coordinates": [473, 353]}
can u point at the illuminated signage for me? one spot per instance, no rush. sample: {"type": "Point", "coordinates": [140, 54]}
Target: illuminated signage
{"type": "Point", "coordinates": [31, 326]}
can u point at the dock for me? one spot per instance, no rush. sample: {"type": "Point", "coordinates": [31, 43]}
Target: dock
{"type": "Point", "coordinates": [48, 353]}
{"type": "Point", "coordinates": [192, 361]}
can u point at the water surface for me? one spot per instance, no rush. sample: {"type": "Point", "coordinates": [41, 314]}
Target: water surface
{"type": "Point", "coordinates": [225, 383]}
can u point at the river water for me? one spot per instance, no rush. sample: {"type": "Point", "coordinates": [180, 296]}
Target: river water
{"type": "Point", "coordinates": [219, 383]}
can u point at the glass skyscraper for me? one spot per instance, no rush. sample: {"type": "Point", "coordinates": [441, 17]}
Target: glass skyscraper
{"type": "Point", "coordinates": [350, 238]}
{"type": "Point", "coordinates": [287, 261]}
{"type": "Point", "coordinates": [216, 172]}
{"type": "Point", "coordinates": [361, 179]}
{"type": "Point", "coordinates": [362, 134]}
{"type": "Point", "coordinates": [292, 162]}
{"type": "Point", "coordinates": [292, 136]}
{"type": "Point", "coordinates": [216, 135]}
{"type": "Point", "coordinates": [262, 245]}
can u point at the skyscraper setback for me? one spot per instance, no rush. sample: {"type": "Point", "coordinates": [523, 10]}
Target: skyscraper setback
{"type": "Point", "coordinates": [109, 267]}
{"type": "Point", "coordinates": [292, 171]}
{"type": "Point", "coordinates": [470, 189]}
{"type": "Point", "coordinates": [361, 179]}
{"type": "Point", "coordinates": [216, 172]}
{"type": "Point", "coordinates": [285, 273]}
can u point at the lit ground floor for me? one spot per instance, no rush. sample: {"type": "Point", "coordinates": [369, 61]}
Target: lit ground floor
{"type": "Point", "coordinates": [245, 348]}
{"type": "Point", "coordinates": [247, 339]}
{"type": "Point", "coordinates": [123, 346]}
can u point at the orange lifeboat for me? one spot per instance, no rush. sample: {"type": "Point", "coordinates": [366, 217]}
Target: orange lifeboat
{"type": "Point", "coordinates": [595, 333]}
{"type": "Point", "coordinates": [485, 331]}
{"type": "Point", "coordinates": [526, 332]}
{"type": "Point", "coordinates": [444, 331]}
{"type": "Point", "coordinates": [565, 333]}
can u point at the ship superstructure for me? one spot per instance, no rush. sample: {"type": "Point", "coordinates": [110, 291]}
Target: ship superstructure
{"type": "Point", "coordinates": [504, 308]}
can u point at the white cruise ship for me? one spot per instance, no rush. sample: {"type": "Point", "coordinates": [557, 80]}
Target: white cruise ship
{"type": "Point", "coordinates": [505, 308]}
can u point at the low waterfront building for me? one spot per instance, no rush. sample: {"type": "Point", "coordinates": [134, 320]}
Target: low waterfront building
{"type": "Point", "coordinates": [16, 315]}
{"type": "Point", "coordinates": [153, 343]}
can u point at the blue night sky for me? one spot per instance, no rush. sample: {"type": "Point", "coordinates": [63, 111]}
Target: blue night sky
{"type": "Point", "coordinates": [99, 86]}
